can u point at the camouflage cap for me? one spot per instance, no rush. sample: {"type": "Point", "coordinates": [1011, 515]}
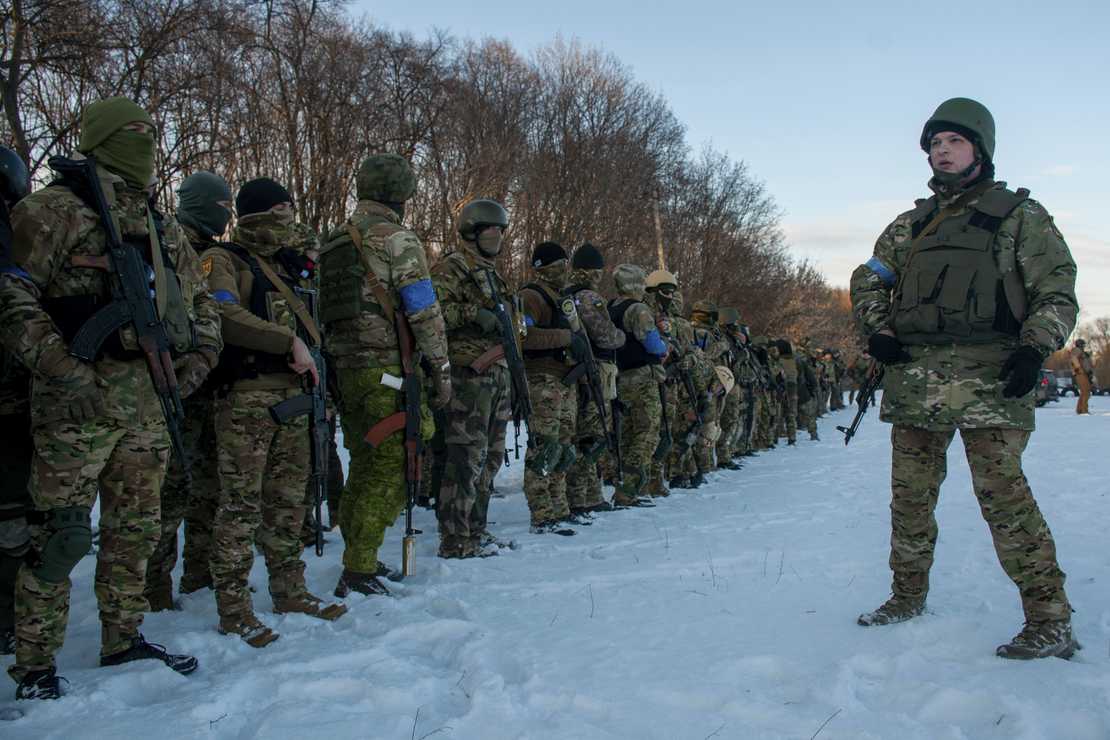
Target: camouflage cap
{"type": "Point", "coordinates": [727, 315]}
{"type": "Point", "coordinates": [705, 306]}
{"type": "Point", "coordinates": [629, 279]}
{"type": "Point", "coordinates": [386, 178]}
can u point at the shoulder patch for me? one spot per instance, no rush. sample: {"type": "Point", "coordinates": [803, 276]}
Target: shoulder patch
{"type": "Point", "coordinates": [206, 266]}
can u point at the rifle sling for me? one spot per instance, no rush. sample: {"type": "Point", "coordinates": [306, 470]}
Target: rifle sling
{"type": "Point", "coordinates": [295, 303]}
{"type": "Point", "coordinates": [372, 281]}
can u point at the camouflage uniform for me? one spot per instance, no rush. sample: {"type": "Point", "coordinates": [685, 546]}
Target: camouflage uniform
{"type": "Point", "coordinates": [193, 501]}
{"type": "Point", "coordinates": [946, 384]}
{"type": "Point", "coordinates": [551, 428]}
{"type": "Point", "coordinates": [370, 258]}
{"type": "Point", "coordinates": [475, 421]}
{"type": "Point", "coordinates": [639, 375]}
{"type": "Point", "coordinates": [788, 416]}
{"type": "Point", "coordinates": [807, 394]}
{"type": "Point", "coordinates": [263, 465]}
{"type": "Point", "coordinates": [122, 449]}
{"type": "Point", "coordinates": [583, 484]}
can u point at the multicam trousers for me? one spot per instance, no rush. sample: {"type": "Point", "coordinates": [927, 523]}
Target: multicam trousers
{"type": "Point", "coordinates": [550, 437]}
{"type": "Point", "coordinates": [1021, 537]}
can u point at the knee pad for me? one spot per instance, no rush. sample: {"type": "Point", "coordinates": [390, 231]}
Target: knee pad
{"type": "Point", "coordinates": [567, 456]}
{"type": "Point", "coordinates": [70, 539]}
{"type": "Point", "coordinates": [547, 454]}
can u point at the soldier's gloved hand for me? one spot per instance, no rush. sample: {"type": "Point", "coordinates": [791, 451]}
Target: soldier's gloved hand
{"type": "Point", "coordinates": [887, 349]}
{"type": "Point", "coordinates": [487, 320]}
{"type": "Point", "coordinates": [441, 384]}
{"type": "Point", "coordinates": [1023, 368]}
{"type": "Point", "coordinates": [86, 401]}
{"type": "Point", "coordinates": [579, 348]}
{"type": "Point", "coordinates": [191, 368]}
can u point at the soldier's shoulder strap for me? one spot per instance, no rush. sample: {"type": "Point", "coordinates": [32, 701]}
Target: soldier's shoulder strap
{"type": "Point", "coordinates": [1000, 202]}
{"type": "Point", "coordinates": [372, 280]}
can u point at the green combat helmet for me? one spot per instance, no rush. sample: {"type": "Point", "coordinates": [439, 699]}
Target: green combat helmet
{"type": "Point", "coordinates": [966, 117]}
{"type": "Point", "coordinates": [386, 178]}
{"type": "Point", "coordinates": [478, 213]}
{"type": "Point", "coordinates": [706, 307]}
{"type": "Point", "coordinates": [727, 316]}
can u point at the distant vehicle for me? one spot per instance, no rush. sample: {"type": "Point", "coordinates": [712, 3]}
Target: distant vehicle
{"type": "Point", "coordinates": [1047, 388]}
{"type": "Point", "coordinates": [1066, 385]}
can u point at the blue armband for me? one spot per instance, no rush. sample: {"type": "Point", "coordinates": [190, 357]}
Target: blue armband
{"type": "Point", "coordinates": [224, 296]}
{"type": "Point", "coordinates": [653, 343]}
{"type": "Point", "coordinates": [418, 296]}
{"type": "Point", "coordinates": [529, 321]}
{"type": "Point", "coordinates": [885, 274]}
{"type": "Point", "coordinates": [18, 272]}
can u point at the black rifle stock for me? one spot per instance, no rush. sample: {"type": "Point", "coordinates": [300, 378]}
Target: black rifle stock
{"type": "Point", "coordinates": [521, 400]}
{"type": "Point", "coordinates": [864, 399]}
{"type": "Point", "coordinates": [314, 405]}
{"type": "Point", "coordinates": [132, 305]}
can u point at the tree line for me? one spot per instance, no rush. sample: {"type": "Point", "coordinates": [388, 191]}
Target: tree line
{"type": "Point", "coordinates": [301, 91]}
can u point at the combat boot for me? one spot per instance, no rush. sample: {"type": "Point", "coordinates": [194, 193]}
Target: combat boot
{"type": "Point", "coordinates": [698, 480]}
{"type": "Point", "coordinates": [249, 629]}
{"type": "Point", "coordinates": [603, 506]}
{"type": "Point", "coordinates": [142, 650]}
{"type": "Point", "coordinates": [451, 547]}
{"type": "Point", "coordinates": [896, 609]}
{"type": "Point", "coordinates": [363, 583]}
{"type": "Point", "coordinates": [814, 437]}
{"type": "Point", "coordinates": [45, 684]}
{"type": "Point", "coordinates": [582, 520]}
{"type": "Point", "coordinates": [1041, 640]}
{"type": "Point", "coordinates": [551, 528]}
{"type": "Point", "coordinates": [308, 604]}
{"type": "Point", "coordinates": [680, 482]}
{"type": "Point", "coordinates": [731, 465]}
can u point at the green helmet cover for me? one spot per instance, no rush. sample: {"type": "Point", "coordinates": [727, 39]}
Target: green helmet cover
{"type": "Point", "coordinates": [386, 178]}
{"type": "Point", "coordinates": [964, 116]}
{"type": "Point", "coordinates": [481, 212]}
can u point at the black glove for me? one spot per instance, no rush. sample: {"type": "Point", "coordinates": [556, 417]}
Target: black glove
{"type": "Point", "coordinates": [1023, 368]}
{"type": "Point", "coordinates": [887, 349]}
{"type": "Point", "coordinates": [85, 401]}
{"type": "Point", "coordinates": [487, 320]}
{"type": "Point", "coordinates": [579, 348]}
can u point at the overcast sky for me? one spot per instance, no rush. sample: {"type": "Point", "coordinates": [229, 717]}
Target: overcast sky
{"type": "Point", "coordinates": [825, 101]}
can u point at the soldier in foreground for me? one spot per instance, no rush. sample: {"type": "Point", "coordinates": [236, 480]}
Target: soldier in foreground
{"type": "Point", "coordinates": [263, 465]}
{"type": "Point", "coordinates": [99, 424]}
{"type": "Point", "coordinates": [474, 422]}
{"type": "Point", "coordinates": [963, 299]}
{"type": "Point", "coordinates": [15, 420]}
{"type": "Point", "coordinates": [373, 275]}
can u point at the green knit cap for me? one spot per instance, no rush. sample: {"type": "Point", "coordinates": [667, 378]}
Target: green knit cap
{"type": "Point", "coordinates": [104, 117]}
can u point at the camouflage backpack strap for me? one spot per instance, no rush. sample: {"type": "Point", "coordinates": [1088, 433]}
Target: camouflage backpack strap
{"type": "Point", "coordinates": [372, 281]}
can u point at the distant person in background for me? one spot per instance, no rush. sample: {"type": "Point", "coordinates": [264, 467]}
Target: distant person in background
{"type": "Point", "coordinates": [1083, 371]}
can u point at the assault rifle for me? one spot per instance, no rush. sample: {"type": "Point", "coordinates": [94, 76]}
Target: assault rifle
{"type": "Point", "coordinates": [593, 386]}
{"type": "Point", "coordinates": [864, 399]}
{"type": "Point", "coordinates": [409, 420]}
{"type": "Point", "coordinates": [133, 302]}
{"type": "Point", "coordinates": [314, 405]}
{"type": "Point", "coordinates": [521, 401]}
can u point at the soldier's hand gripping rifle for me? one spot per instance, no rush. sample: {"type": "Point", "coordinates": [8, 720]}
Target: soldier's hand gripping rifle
{"type": "Point", "coordinates": [133, 303]}
{"type": "Point", "coordinates": [589, 368]}
{"type": "Point", "coordinates": [313, 404]}
{"type": "Point", "coordinates": [521, 401]}
{"type": "Point", "coordinates": [864, 399]}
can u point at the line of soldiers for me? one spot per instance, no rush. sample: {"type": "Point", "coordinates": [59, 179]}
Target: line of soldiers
{"type": "Point", "coordinates": [177, 371]}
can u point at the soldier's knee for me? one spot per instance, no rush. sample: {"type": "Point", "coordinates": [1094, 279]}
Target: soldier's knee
{"type": "Point", "coordinates": [70, 539]}
{"type": "Point", "coordinates": [568, 454]}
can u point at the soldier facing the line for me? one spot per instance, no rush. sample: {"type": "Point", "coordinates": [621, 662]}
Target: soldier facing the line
{"type": "Point", "coordinates": [984, 329]}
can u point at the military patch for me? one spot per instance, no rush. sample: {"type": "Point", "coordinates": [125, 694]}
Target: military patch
{"type": "Point", "coordinates": [206, 266]}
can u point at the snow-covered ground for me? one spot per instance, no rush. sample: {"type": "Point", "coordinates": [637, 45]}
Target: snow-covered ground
{"type": "Point", "coordinates": [727, 613]}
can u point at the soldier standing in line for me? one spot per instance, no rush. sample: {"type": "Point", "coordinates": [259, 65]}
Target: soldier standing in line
{"type": "Point", "coordinates": [807, 394]}
{"type": "Point", "coordinates": [966, 355]}
{"type": "Point", "coordinates": [372, 268]}
{"type": "Point", "coordinates": [98, 426]}
{"type": "Point", "coordinates": [788, 417]}
{"type": "Point", "coordinates": [15, 419]}
{"type": "Point", "coordinates": [550, 348]}
{"type": "Point", "coordinates": [746, 372]}
{"type": "Point", "coordinates": [732, 414]}
{"type": "Point", "coordinates": [1082, 372]}
{"type": "Point", "coordinates": [203, 212]}
{"type": "Point", "coordinates": [639, 375]}
{"type": "Point", "coordinates": [263, 465]}
{"type": "Point", "coordinates": [591, 437]}
{"type": "Point", "coordinates": [663, 298]}
{"type": "Point", "coordinates": [473, 424]}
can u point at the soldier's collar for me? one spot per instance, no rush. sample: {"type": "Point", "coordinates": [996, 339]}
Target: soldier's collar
{"type": "Point", "coordinates": [374, 208]}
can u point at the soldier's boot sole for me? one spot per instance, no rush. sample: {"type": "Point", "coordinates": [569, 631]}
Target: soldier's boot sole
{"type": "Point", "coordinates": [254, 633]}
